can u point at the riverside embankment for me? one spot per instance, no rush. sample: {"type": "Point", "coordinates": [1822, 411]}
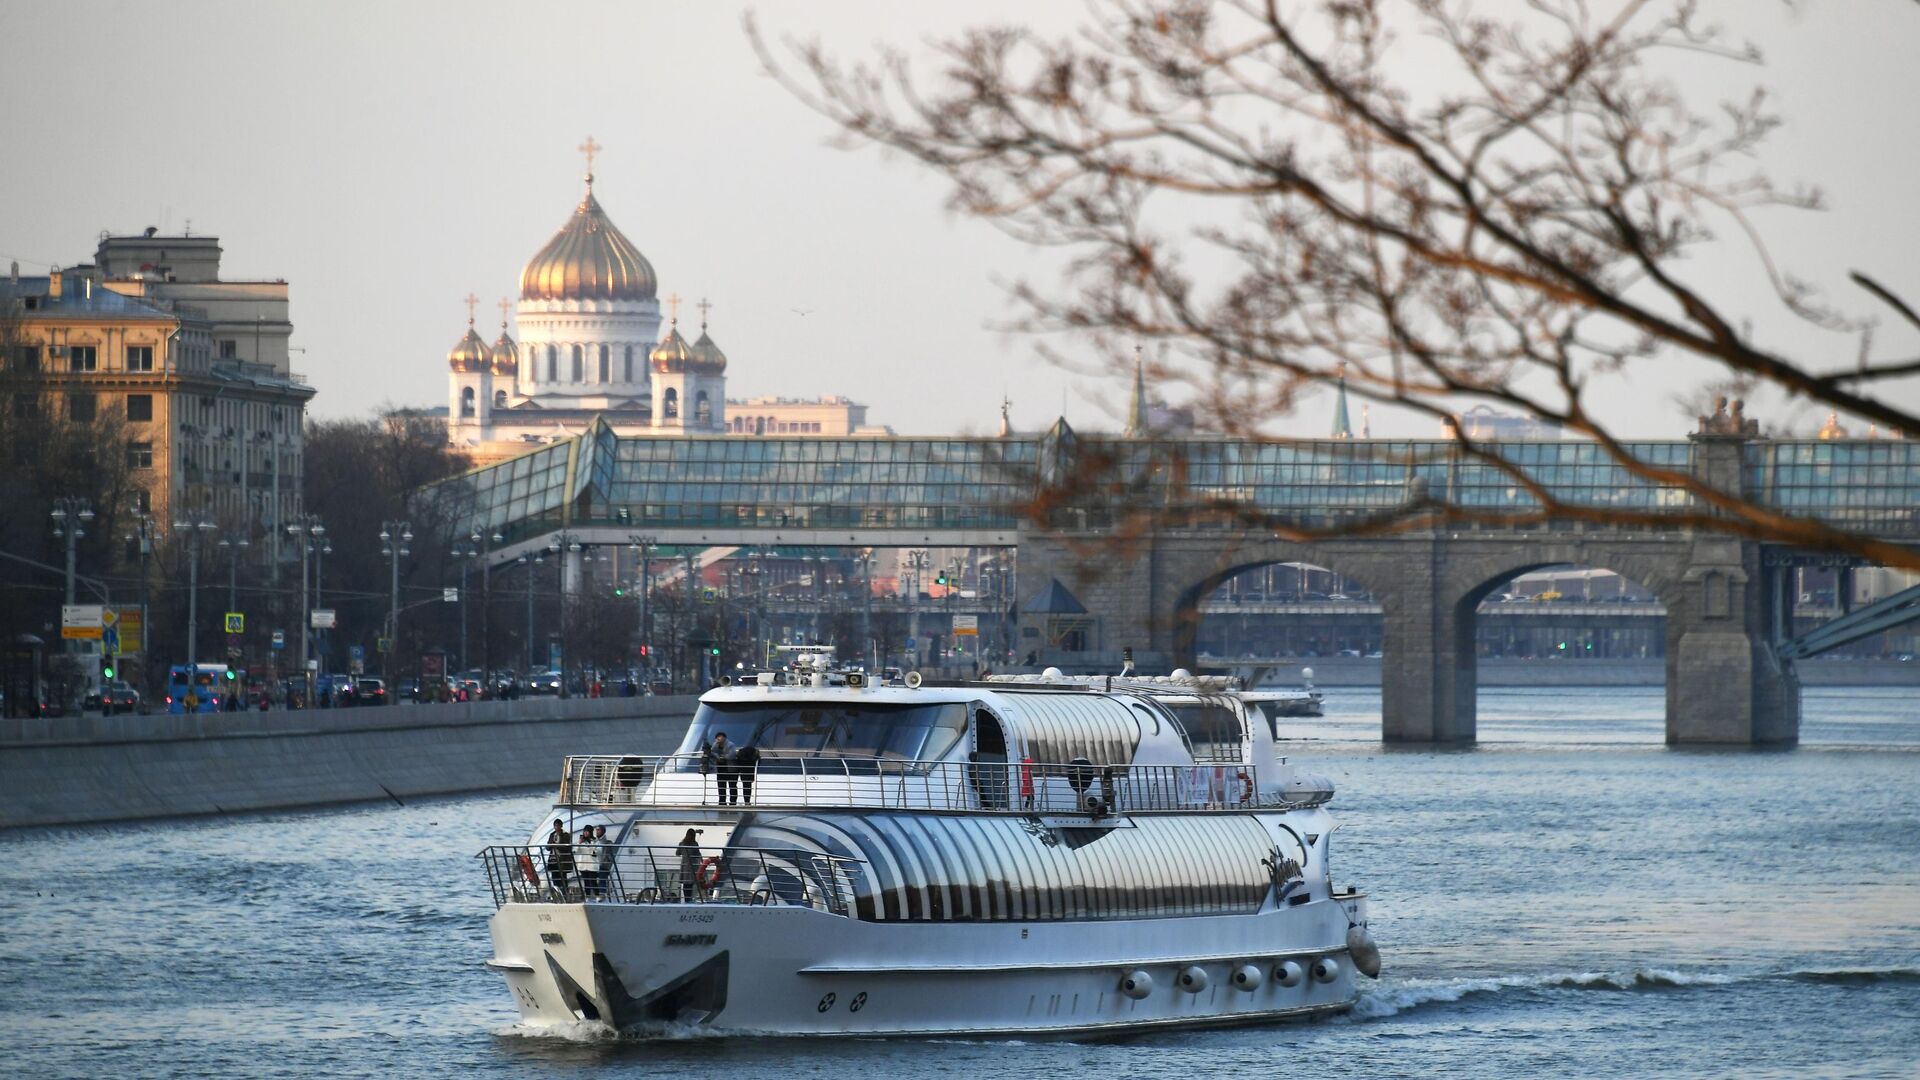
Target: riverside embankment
{"type": "Point", "coordinates": [1490, 672]}
{"type": "Point", "coordinates": [70, 770]}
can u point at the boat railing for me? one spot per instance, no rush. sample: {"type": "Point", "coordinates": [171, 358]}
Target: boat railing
{"type": "Point", "coordinates": [1021, 787]}
{"type": "Point", "coordinates": [655, 874]}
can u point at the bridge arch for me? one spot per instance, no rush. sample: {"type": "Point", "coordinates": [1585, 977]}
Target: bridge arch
{"type": "Point", "coordinates": [1203, 572]}
{"type": "Point", "coordinates": [1472, 578]}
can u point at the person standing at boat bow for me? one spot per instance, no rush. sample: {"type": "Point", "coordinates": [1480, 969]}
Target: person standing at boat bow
{"type": "Point", "coordinates": [689, 850]}
{"type": "Point", "coordinates": [746, 761]}
{"type": "Point", "coordinates": [720, 760]}
{"type": "Point", "coordinates": [586, 861]}
{"type": "Point", "coordinates": [559, 860]}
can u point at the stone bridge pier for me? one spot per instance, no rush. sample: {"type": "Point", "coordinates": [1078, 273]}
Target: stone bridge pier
{"type": "Point", "coordinates": [1724, 684]}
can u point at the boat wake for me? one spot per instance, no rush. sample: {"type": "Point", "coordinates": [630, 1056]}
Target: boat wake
{"type": "Point", "coordinates": [1398, 998]}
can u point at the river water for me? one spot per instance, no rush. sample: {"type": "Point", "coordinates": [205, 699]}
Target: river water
{"type": "Point", "coordinates": [1568, 898]}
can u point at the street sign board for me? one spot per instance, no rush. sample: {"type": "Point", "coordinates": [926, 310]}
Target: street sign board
{"type": "Point", "coordinates": [236, 622]}
{"type": "Point", "coordinates": [323, 618]}
{"type": "Point", "coordinates": [279, 639]}
{"type": "Point", "coordinates": [966, 626]}
{"type": "Point", "coordinates": [451, 596]}
{"type": "Point", "coordinates": [233, 652]}
{"type": "Point", "coordinates": [130, 627]}
{"type": "Point", "coordinates": [82, 621]}
{"type": "Point", "coordinates": [110, 641]}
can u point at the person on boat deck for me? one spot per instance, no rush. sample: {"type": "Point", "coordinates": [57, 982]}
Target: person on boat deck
{"type": "Point", "coordinates": [689, 849]}
{"type": "Point", "coordinates": [607, 853]}
{"type": "Point", "coordinates": [745, 761]}
{"type": "Point", "coordinates": [559, 858]}
{"type": "Point", "coordinates": [586, 859]}
{"type": "Point", "coordinates": [720, 760]}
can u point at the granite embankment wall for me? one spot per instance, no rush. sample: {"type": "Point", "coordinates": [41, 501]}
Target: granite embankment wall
{"type": "Point", "coordinates": [97, 768]}
{"type": "Point", "coordinates": [1358, 671]}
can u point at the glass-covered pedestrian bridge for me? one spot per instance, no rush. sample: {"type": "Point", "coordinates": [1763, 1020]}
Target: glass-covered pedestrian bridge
{"type": "Point", "coordinates": [910, 491]}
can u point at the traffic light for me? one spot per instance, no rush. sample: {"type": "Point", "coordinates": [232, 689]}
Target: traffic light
{"type": "Point", "coordinates": [644, 650]}
{"type": "Point", "coordinates": [619, 590]}
{"type": "Point", "coordinates": [941, 579]}
{"type": "Point", "coordinates": [106, 667]}
{"type": "Point", "coordinates": [715, 650]}
{"type": "Point", "coordinates": [230, 675]}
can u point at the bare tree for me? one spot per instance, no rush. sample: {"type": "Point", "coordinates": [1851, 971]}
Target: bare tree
{"type": "Point", "coordinates": [1511, 229]}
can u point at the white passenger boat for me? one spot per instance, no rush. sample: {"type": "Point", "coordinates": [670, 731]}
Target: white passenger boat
{"type": "Point", "coordinates": [1025, 855]}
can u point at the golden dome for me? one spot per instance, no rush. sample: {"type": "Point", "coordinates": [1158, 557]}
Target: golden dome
{"type": "Point", "coordinates": [588, 259]}
{"type": "Point", "coordinates": [1832, 429]}
{"type": "Point", "coordinates": [469, 354]}
{"type": "Point", "coordinates": [707, 356]}
{"type": "Point", "coordinates": [673, 355]}
{"type": "Point", "coordinates": [506, 355]}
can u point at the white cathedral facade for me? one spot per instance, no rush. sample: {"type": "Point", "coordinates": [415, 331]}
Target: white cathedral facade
{"type": "Point", "coordinates": [590, 345]}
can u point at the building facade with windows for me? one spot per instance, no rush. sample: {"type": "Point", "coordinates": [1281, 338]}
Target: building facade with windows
{"type": "Point", "coordinates": [213, 421]}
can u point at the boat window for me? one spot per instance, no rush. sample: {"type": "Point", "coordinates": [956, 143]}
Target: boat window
{"type": "Point", "coordinates": [869, 733]}
{"type": "Point", "coordinates": [1212, 730]}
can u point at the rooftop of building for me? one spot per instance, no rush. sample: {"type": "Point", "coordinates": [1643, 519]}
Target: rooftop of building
{"type": "Point", "coordinates": [33, 295]}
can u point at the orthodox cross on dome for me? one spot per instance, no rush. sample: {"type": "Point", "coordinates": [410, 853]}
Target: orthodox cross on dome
{"type": "Point", "coordinates": [590, 148]}
{"type": "Point", "coordinates": [705, 306]}
{"type": "Point", "coordinates": [472, 302]}
{"type": "Point", "coordinates": [673, 306]}
{"type": "Point", "coordinates": [505, 305]}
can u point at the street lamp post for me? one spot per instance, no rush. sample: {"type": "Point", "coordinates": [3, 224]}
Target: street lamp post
{"type": "Point", "coordinates": [310, 534]}
{"type": "Point", "coordinates": [233, 544]}
{"type": "Point", "coordinates": [563, 546]}
{"type": "Point", "coordinates": [917, 562]}
{"type": "Point", "coordinates": [144, 530]}
{"type": "Point", "coordinates": [70, 516]}
{"type": "Point", "coordinates": [463, 554]}
{"type": "Point", "coordinates": [194, 524]}
{"type": "Point", "coordinates": [866, 610]}
{"type": "Point", "coordinates": [484, 542]}
{"type": "Point", "coordinates": [394, 538]}
{"type": "Point", "coordinates": [645, 544]}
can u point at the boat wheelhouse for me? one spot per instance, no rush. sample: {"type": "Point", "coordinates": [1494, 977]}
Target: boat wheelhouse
{"type": "Point", "coordinates": [1015, 855]}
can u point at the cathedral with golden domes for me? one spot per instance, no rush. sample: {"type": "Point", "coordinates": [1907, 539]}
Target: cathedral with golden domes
{"type": "Point", "coordinates": [590, 345]}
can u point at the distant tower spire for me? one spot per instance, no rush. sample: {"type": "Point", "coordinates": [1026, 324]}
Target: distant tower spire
{"type": "Point", "coordinates": [1342, 427]}
{"type": "Point", "coordinates": [1006, 419]}
{"type": "Point", "coordinates": [673, 305]}
{"type": "Point", "coordinates": [505, 306]}
{"type": "Point", "coordinates": [1366, 420]}
{"type": "Point", "coordinates": [705, 306]}
{"type": "Point", "coordinates": [472, 302]}
{"type": "Point", "coordinates": [1137, 408]}
{"type": "Point", "coordinates": [590, 148]}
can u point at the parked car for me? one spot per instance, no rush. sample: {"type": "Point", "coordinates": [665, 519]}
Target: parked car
{"type": "Point", "coordinates": [369, 691]}
{"type": "Point", "coordinates": [117, 696]}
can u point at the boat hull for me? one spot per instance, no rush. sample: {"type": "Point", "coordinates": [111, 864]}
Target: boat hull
{"type": "Point", "coordinates": [797, 971]}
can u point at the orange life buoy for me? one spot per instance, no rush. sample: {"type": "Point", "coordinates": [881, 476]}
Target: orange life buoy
{"type": "Point", "coordinates": [1246, 786]}
{"type": "Point", "coordinates": [527, 871]}
{"type": "Point", "coordinates": [704, 879]}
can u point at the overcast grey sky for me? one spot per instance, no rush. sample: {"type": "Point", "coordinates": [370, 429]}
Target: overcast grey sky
{"type": "Point", "coordinates": [388, 158]}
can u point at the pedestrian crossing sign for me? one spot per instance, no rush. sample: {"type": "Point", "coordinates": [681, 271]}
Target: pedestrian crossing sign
{"type": "Point", "coordinates": [236, 622]}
